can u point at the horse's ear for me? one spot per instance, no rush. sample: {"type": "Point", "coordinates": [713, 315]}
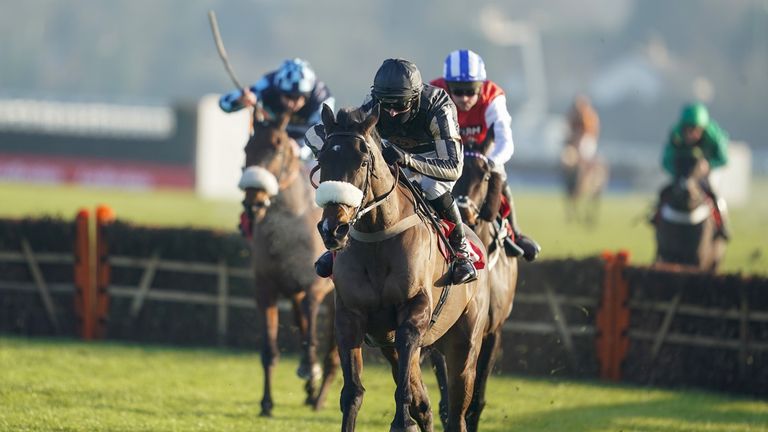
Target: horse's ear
{"type": "Point", "coordinates": [485, 146]}
{"type": "Point", "coordinates": [282, 122]}
{"type": "Point", "coordinates": [372, 119]}
{"type": "Point", "coordinates": [329, 120]}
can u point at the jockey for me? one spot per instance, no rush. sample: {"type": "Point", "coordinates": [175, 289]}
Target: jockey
{"type": "Point", "coordinates": [483, 118]}
{"type": "Point", "coordinates": [419, 123]}
{"type": "Point", "coordinates": [695, 130]}
{"type": "Point", "coordinates": [294, 88]}
{"type": "Point", "coordinates": [584, 131]}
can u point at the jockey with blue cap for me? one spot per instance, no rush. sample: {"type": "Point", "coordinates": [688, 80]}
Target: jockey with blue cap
{"type": "Point", "coordinates": [483, 118]}
{"type": "Point", "coordinates": [293, 88]}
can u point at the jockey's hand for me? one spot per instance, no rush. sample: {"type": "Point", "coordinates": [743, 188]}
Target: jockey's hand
{"type": "Point", "coordinates": [393, 155]}
{"type": "Point", "coordinates": [248, 99]}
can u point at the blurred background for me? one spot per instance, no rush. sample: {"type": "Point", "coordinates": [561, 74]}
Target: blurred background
{"type": "Point", "coordinates": [638, 60]}
{"type": "Point", "coordinates": [123, 93]}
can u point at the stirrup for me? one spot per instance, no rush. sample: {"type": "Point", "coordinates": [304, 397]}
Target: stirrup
{"type": "Point", "coordinates": [462, 271]}
{"type": "Point", "coordinates": [462, 268]}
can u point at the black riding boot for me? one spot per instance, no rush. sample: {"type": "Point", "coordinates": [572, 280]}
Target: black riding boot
{"type": "Point", "coordinates": [324, 265]}
{"type": "Point", "coordinates": [463, 269]}
{"type": "Point", "coordinates": [530, 249]}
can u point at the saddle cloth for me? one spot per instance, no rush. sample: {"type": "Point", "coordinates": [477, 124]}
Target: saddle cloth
{"type": "Point", "coordinates": [478, 259]}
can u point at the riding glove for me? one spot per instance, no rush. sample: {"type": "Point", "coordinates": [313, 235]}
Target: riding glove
{"type": "Point", "coordinates": [393, 155]}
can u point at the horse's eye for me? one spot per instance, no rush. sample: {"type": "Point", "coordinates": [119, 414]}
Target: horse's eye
{"type": "Point", "coordinates": [336, 148]}
{"type": "Point", "coordinates": [365, 163]}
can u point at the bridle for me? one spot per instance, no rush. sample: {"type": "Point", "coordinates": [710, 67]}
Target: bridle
{"type": "Point", "coordinates": [362, 208]}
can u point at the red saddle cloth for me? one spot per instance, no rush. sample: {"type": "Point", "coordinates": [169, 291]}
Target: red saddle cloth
{"type": "Point", "coordinates": [478, 260]}
{"type": "Point", "coordinates": [504, 208]}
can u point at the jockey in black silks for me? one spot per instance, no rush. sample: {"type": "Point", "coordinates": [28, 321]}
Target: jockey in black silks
{"type": "Point", "coordinates": [419, 123]}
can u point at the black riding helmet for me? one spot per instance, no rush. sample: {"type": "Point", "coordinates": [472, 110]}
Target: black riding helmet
{"type": "Point", "coordinates": [397, 84]}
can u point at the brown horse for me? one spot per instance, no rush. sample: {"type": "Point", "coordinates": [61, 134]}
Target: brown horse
{"type": "Point", "coordinates": [391, 280]}
{"type": "Point", "coordinates": [284, 242]}
{"type": "Point", "coordinates": [685, 225]}
{"type": "Point", "coordinates": [584, 180]}
{"type": "Point", "coordinates": [478, 192]}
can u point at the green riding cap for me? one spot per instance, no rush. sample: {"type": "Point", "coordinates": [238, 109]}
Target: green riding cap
{"type": "Point", "coordinates": [694, 115]}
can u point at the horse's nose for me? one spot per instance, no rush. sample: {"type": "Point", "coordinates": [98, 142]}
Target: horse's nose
{"type": "Point", "coordinates": [341, 231]}
{"type": "Point", "coordinates": [259, 204]}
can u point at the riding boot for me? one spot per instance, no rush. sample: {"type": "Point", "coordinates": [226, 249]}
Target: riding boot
{"type": "Point", "coordinates": [463, 270]}
{"type": "Point", "coordinates": [530, 249]}
{"type": "Point", "coordinates": [324, 265]}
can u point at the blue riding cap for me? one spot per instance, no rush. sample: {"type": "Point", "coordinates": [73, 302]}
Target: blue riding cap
{"type": "Point", "coordinates": [295, 77]}
{"type": "Point", "coordinates": [464, 66]}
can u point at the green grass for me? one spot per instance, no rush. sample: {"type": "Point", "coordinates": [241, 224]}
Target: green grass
{"type": "Point", "coordinates": [541, 216]}
{"type": "Point", "coordinates": [75, 386]}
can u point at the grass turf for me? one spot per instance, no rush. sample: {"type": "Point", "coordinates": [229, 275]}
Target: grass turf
{"type": "Point", "coordinates": [65, 385]}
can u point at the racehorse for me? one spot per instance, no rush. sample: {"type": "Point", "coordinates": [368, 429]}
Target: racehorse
{"type": "Point", "coordinates": [685, 222]}
{"type": "Point", "coordinates": [584, 177]}
{"type": "Point", "coordinates": [392, 283]}
{"type": "Point", "coordinates": [283, 241]}
{"type": "Point", "coordinates": [478, 193]}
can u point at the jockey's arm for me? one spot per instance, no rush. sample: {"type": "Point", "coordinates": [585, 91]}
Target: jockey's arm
{"type": "Point", "coordinates": [447, 164]}
{"type": "Point", "coordinates": [503, 146]}
{"type": "Point", "coordinates": [717, 155]}
{"type": "Point", "coordinates": [445, 167]}
{"type": "Point", "coordinates": [236, 99]}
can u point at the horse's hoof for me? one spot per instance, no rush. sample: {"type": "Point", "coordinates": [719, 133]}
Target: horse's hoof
{"type": "Point", "coordinates": [265, 413]}
{"type": "Point", "coordinates": [306, 372]}
{"type": "Point", "coordinates": [318, 405]}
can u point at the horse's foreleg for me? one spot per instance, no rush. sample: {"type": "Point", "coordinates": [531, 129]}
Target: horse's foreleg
{"type": "Point", "coordinates": [413, 319]}
{"type": "Point", "coordinates": [420, 408]}
{"type": "Point", "coordinates": [269, 350]}
{"type": "Point", "coordinates": [485, 361]}
{"type": "Point", "coordinates": [303, 308]}
{"type": "Point", "coordinates": [438, 364]}
{"type": "Point", "coordinates": [331, 363]}
{"type": "Point", "coordinates": [349, 336]}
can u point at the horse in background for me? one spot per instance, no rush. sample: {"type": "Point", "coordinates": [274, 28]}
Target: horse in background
{"type": "Point", "coordinates": [279, 222]}
{"type": "Point", "coordinates": [584, 172]}
{"type": "Point", "coordinates": [392, 282]}
{"type": "Point", "coordinates": [686, 229]}
{"type": "Point", "coordinates": [479, 195]}
{"type": "Point", "coordinates": [585, 175]}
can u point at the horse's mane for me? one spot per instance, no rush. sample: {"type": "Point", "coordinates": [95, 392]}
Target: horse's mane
{"type": "Point", "coordinates": [348, 117]}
